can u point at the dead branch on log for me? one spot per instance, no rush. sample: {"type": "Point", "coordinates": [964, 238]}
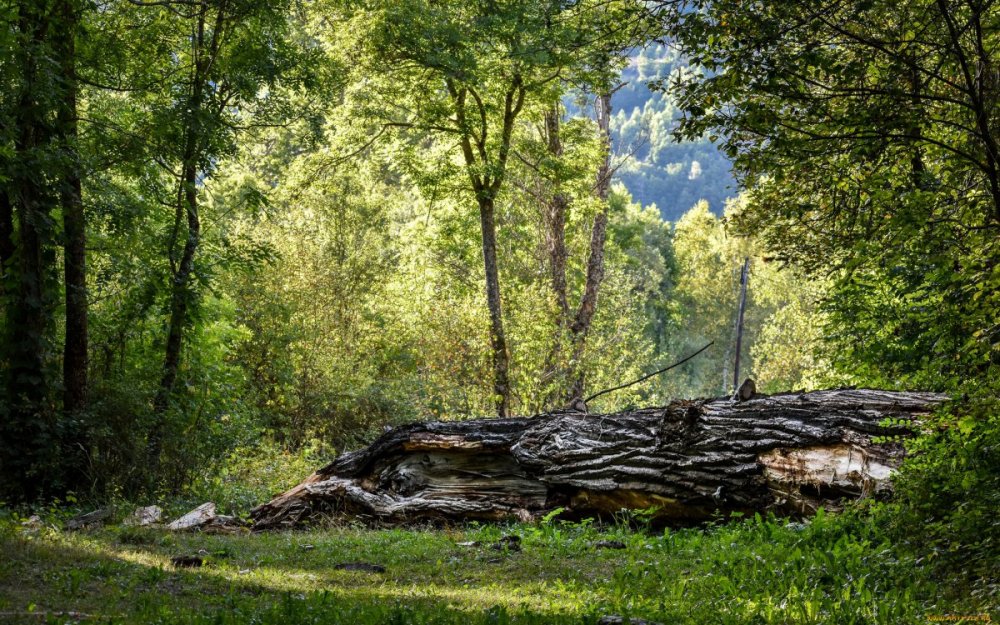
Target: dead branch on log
{"type": "Point", "coordinates": [649, 375]}
{"type": "Point", "coordinates": [789, 453]}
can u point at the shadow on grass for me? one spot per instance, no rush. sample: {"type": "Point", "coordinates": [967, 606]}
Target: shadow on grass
{"type": "Point", "coordinates": [539, 577]}
{"type": "Point", "coordinates": [45, 576]}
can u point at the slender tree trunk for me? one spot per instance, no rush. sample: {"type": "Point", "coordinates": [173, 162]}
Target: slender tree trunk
{"type": "Point", "coordinates": [555, 221]}
{"type": "Point", "coordinates": [975, 66]}
{"type": "Point", "coordinates": [918, 170]}
{"type": "Point", "coordinates": [183, 270]}
{"type": "Point", "coordinates": [180, 297]}
{"type": "Point", "coordinates": [985, 81]}
{"type": "Point", "coordinates": [180, 292]}
{"type": "Point", "coordinates": [603, 106]}
{"type": "Point", "coordinates": [31, 308]}
{"type": "Point", "coordinates": [498, 341]}
{"type": "Point", "coordinates": [741, 312]}
{"type": "Point", "coordinates": [75, 351]}
{"type": "Point", "coordinates": [486, 189]}
{"type": "Point", "coordinates": [75, 360]}
{"type": "Point", "coordinates": [595, 262]}
{"type": "Point", "coordinates": [554, 224]}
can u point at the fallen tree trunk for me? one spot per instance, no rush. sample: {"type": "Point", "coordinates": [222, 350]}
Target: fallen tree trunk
{"type": "Point", "coordinates": [791, 452]}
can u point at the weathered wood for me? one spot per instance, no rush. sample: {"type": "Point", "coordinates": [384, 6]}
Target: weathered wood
{"type": "Point", "coordinates": [689, 459]}
{"type": "Point", "coordinates": [744, 282]}
{"type": "Point", "coordinates": [144, 516]}
{"type": "Point", "coordinates": [90, 519]}
{"type": "Point", "coordinates": [201, 515]}
{"type": "Point", "coordinates": [205, 519]}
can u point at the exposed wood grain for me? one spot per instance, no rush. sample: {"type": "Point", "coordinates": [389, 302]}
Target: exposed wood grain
{"type": "Point", "coordinates": [790, 452]}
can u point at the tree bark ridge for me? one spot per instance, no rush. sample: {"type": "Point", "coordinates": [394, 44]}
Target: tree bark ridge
{"type": "Point", "coordinates": [791, 452]}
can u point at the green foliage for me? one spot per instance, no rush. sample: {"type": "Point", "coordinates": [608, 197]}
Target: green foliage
{"type": "Point", "coordinates": [868, 146]}
{"type": "Point", "coordinates": [951, 490]}
{"type": "Point", "coordinates": [319, 359]}
{"type": "Point", "coordinates": [206, 420]}
{"type": "Point", "coordinates": [333, 285]}
{"type": "Point", "coordinates": [783, 325]}
{"type": "Point", "coordinates": [286, 190]}
{"type": "Point", "coordinates": [39, 154]}
{"type": "Point", "coordinates": [873, 169]}
{"type": "Point", "coordinates": [254, 471]}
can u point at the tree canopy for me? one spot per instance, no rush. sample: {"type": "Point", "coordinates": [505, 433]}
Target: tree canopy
{"type": "Point", "coordinates": [231, 225]}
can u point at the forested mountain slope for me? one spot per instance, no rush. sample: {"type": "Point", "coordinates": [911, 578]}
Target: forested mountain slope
{"type": "Point", "coordinates": [654, 167]}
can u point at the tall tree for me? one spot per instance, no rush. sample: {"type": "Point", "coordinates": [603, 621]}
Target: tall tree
{"type": "Point", "coordinates": [75, 348]}
{"type": "Point", "coordinates": [608, 33]}
{"type": "Point", "coordinates": [580, 326]}
{"type": "Point", "coordinates": [487, 174]}
{"type": "Point", "coordinates": [8, 86]}
{"type": "Point", "coordinates": [464, 72]}
{"type": "Point", "coordinates": [229, 57]}
{"type": "Point", "coordinates": [556, 204]}
{"type": "Point", "coordinates": [6, 237]}
{"type": "Point", "coordinates": [469, 72]}
{"type": "Point", "coordinates": [39, 170]}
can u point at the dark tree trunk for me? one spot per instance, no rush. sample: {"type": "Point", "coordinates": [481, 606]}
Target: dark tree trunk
{"type": "Point", "coordinates": [32, 306]}
{"type": "Point", "coordinates": [75, 361]}
{"type": "Point", "coordinates": [486, 188]}
{"type": "Point", "coordinates": [978, 86]}
{"type": "Point", "coordinates": [787, 453]}
{"type": "Point", "coordinates": [740, 315]}
{"type": "Point", "coordinates": [498, 341]}
{"type": "Point", "coordinates": [180, 297]}
{"type": "Point", "coordinates": [28, 433]}
{"type": "Point", "coordinates": [180, 294]}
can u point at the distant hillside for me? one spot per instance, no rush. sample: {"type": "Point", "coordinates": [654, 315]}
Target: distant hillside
{"type": "Point", "coordinates": [673, 176]}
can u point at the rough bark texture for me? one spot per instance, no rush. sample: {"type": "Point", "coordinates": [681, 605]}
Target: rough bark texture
{"type": "Point", "coordinates": [498, 340]}
{"type": "Point", "coordinates": [554, 210]}
{"type": "Point", "coordinates": [580, 327]}
{"type": "Point", "coordinates": [28, 430]}
{"type": "Point", "coordinates": [486, 186]}
{"type": "Point", "coordinates": [790, 452]}
{"type": "Point", "coordinates": [555, 219]}
{"type": "Point", "coordinates": [74, 223]}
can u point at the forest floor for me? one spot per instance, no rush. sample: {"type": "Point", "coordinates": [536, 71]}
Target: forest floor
{"type": "Point", "coordinates": [742, 571]}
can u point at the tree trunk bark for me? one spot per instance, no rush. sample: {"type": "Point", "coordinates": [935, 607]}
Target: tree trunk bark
{"type": "Point", "coordinates": [688, 460]}
{"type": "Point", "coordinates": [554, 224]}
{"type": "Point", "coordinates": [555, 221]}
{"type": "Point", "coordinates": [74, 225]}
{"type": "Point", "coordinates": [498, 341]}
{"type": "Point", "coordinates": [595, 261]}
{"type": "Point", "coordinates": [31, 309]}
{"type": "Point", "coordinates": [28, 428]}
{"type": "Point", "coordinates": [179, 303]}
{"type": "Point", "coordinates": [180, 293]}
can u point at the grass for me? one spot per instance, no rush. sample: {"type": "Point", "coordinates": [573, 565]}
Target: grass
{"type": "Point", "coordinates": [744, 571]}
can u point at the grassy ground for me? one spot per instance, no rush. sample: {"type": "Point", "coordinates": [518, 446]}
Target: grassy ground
{"type": "Point", "coordinates": [750, 571]}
